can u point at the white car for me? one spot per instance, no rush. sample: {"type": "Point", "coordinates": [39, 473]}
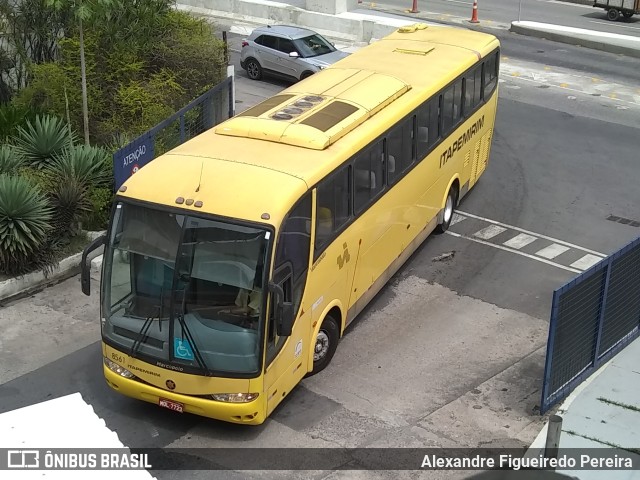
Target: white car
{"type": "Point", "coordinates": [286, 51]}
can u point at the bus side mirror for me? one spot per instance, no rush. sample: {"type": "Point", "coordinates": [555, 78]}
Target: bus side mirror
{"type": "Point", "coordinates": [283, 311]}
{"type": "Point", "coordinates": [85, 268]}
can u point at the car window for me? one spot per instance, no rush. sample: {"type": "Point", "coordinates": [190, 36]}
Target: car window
{"type": "Point", "coordinates": [313, 45]}
{"type": "Point", "coordinates": [286, 46]}
{"type": "Point", "coordinates": [267, 41]}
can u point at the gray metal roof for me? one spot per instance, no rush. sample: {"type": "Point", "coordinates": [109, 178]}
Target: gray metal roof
{"type": "Point", "coordinates": [289, 31]}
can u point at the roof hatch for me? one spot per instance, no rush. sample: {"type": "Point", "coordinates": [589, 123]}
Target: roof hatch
{"type": "Point", "coordinates": [334, 102]}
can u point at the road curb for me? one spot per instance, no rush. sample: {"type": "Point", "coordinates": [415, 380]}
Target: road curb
{"type": "Point", "coordinates": [584, 38]}
{"type": "Point", "coordinates": [34, 281]}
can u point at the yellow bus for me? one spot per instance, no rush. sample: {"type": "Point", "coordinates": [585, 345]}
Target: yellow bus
{"type": "Point", "coordinates": [234, 263]}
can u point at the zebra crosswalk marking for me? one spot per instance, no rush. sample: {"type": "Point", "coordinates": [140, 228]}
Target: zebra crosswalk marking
{"type": "Point", "coordinates": [545, 252]}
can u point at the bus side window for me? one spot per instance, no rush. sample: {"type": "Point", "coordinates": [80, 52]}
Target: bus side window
{"type": "Point", "coordinates": [293, 248]}
{"type": "Point", "coordinates": [333, 206]}
{"type": "Point", "coordinates": [368, 176]}
{"type": "Point", "coordinates": [478, 84]}
{"type": "Point", "coordinates": [428, 126]}
{"type": "Point", "coordinates": [490, 75]}
{"type": "Point", "coordinates": [452, 106]}
{"type": "Point", "coordinates": [400, 150]}
{"type": "Point", "coordinates": [472, 85]}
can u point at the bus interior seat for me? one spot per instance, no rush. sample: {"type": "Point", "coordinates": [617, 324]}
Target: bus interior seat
{"type": "Point", "coordinates": [423, 134]}
{"type": "Point", "coordinates": [365, 179]}
{"type": "Point", "coordinates": [391, 164]}
{"type": "Point", "coordinates": [324, 223]}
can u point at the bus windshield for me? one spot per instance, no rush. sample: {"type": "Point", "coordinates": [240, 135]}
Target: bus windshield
{"type": "Point", "coordinates": [185, 292]}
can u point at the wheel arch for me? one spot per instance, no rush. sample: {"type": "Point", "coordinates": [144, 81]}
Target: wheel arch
{"type": "Point", "coordinates": [333, 309]}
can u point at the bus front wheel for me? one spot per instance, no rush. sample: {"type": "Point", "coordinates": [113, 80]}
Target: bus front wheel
{"type": "Point", "coordinates": [326, 344]}
{"type": "Point", "coordinates": [449, 208]}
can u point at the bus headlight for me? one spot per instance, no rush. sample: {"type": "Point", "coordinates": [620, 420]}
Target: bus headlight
{"type": "Point", "coordinates": [114, 367]}
{"type": "Point", "coordinates": [234, 397]}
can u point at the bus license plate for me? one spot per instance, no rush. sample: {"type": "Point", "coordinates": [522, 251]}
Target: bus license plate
{"type": "Point", "coordinates": [175, 406]}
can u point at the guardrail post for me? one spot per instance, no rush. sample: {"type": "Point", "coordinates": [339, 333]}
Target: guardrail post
{"type": "Point", "coordinates": [554, 428]}
{"type": "Point", "coordinates": [232, 90]}
{"type": "Point", "coordinates": [548, 363]}
{"type": "Point", "coordinates": [603, 308]}
{"type": "Point", "coordinates": [226, 47]}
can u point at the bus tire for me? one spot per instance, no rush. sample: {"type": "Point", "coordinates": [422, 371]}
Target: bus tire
{"type": "Point", "coordinates": [449, 208]}
{"type": "Point", "coordinates": [325, 345]}
{"type": "Point", "coordinates": [613, 14]}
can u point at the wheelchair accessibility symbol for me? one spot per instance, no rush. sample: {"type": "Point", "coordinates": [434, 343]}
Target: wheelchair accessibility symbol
{"type": "Point", "coordinates": [182, 349]}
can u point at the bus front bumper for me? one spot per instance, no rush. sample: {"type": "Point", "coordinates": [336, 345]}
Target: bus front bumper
{"type": "Point", "coordinates": [250, 413]}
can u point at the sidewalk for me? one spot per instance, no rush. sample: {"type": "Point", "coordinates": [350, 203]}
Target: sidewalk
{"type": "Point", "coordinates": [603, 413]}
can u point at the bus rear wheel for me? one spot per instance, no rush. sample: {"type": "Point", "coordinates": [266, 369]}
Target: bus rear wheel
{"type": "Point", "coordinates": [326, 344]}
{"type": "Point", "coordinates": [449, 208]}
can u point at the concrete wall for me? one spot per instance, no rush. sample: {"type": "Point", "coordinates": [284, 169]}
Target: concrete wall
{"type": "Point", "coordinates": [352, 29]}
{"type": "Point", "coordinates": [331, 6]}
{"type": "Point", "coordinates": [275, 13]}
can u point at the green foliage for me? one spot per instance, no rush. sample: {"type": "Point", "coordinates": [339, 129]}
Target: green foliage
{"type": "Point", "coordinates": [190, 48]}
{"type": "Point", "coordinates": [38, 178]}
{"type": "Point", "coordinates": [147, 102]}
{"type": "Point", "coordinates": [144, 61]}
{"type": "Point", "coordinates": [88, 166]}
{"type": "Point", "coordinates": [70, 202]}
{"type": "Point", "coordinates": [40, 141]}
{"type": "Point", "coordinates": [31, 38]}
{"type": "Point", "coordinates": [101, 200]}
{"type": "Point", "coordinates": [24, 224]}
{"type": "Point", "coordinates": [12, 117]}
{"type": "Point", "coordinates": [10, 160]}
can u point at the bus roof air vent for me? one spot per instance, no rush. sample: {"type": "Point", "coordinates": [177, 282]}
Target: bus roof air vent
{"type": "Point", "coordinates": [282, 115]}
{"type": "Point", "coordinates": [335, 103]}
{"type": "Point", "coordinates": [298, 107]}
{"type": "Point", "coordinates": [267, 105]}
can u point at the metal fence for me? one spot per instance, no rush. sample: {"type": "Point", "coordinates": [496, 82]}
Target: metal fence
{"type": "Point", "coordinates": [204, 112]}
{"type": "Point", "coordinates": [593, 317]}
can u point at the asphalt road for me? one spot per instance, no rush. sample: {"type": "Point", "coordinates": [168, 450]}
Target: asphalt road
{"type": "Point", "coordinates": [451, 352]}
{"type": "Point", "coordinates": [500, 13]}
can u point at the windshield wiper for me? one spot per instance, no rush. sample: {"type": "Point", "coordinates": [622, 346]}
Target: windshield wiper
{"type": "Point", "coordinates": [142, 334]}
{"type": "Point", "coordinates": [187, 333]}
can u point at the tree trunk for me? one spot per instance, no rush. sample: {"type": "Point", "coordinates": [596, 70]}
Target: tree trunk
{"type": "Point", "coordinates": [83, 73]}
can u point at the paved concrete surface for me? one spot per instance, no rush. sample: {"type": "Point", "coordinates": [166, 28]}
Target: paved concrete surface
{"type": "Point", "coordinates": [603, 413]}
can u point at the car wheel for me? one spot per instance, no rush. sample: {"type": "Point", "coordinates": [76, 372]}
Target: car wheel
{"type": "Point", "coordinates": [326, 344]}
{"type": "Point", "coordinates": [305, 75]}
{"type": "Point", "coordinates": [253, 68]}
{"type": "Point", "coordinates": [449, 208]}
{"type": "Point", "coordinates": [627, 14]}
